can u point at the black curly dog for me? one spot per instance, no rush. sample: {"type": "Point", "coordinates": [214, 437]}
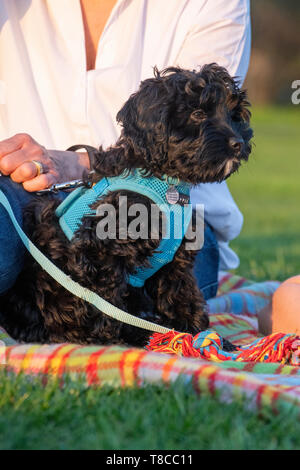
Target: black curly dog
{"type": "Point", "coordinates": [191, 125]}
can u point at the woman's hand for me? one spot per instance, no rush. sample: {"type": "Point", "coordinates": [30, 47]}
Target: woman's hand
{"type": "Point", "coordinates": [17, 153]}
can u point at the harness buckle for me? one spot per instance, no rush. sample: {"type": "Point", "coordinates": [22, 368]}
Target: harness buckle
{"type": "Point", "coordinates": [86, 181]}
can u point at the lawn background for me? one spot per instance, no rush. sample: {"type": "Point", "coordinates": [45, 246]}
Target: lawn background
{"type": "Point", "coordinates": [33, 416]}
{"type": "Point", "coordinates": [267, 190]}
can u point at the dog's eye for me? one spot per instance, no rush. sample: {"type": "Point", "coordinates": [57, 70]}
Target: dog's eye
{"type": "Point", "coordinates": [198, 115]}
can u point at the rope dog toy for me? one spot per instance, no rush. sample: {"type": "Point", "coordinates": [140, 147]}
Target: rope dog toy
{"type": "Point", "coordinates": [277, 347]}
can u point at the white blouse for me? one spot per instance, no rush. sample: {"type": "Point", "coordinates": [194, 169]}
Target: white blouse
{"type": "Point", "coordinates": [46, 91]}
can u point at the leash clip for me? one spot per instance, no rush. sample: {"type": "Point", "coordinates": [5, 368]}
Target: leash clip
{"type": "Point", "coordinates": [55, 188]}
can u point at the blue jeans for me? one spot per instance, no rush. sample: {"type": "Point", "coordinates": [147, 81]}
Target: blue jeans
{"type": "Point", "coordinates": [12, 249]}
{"type": "Point", "coordinates": [207, 264]}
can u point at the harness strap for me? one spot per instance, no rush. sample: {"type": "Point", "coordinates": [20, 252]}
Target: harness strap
{"type": "Point", "coordinates": [76, 289]}
{"type": "Point", "coordinates": [177, 215]}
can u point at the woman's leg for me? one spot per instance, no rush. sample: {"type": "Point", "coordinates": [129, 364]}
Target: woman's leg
{"type": "Point", "coordinates": [286, 307]}
{"type": "Point", "coordinates": [11, 247]}
{"type": "Point", "coordinates": [207, 264]}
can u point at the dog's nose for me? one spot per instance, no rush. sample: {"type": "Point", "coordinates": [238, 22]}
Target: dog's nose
{"type": "Point", "coordinates": [236, 144]}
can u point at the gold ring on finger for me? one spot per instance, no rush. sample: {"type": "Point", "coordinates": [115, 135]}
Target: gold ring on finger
{"type": "Point", "coordinates": [39, 167]}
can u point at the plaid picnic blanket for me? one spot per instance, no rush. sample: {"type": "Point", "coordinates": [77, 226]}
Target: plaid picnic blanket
{"type": "Point", "coordinates": [233, 314]}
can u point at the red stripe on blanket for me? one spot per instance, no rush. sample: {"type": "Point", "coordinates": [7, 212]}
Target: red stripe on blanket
{"type": "Point", "coordinates": [92, 367]}
{"type": "Point", "coordinates": [52, 356]}
{"type": "Point", "coordinates": [65, 357]}
{"type": "Point", "coordinates": [136, 367]}
{"type": "Point", "coordinates": [224, 279]}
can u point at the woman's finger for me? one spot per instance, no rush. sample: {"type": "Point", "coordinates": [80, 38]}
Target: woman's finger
{"type": "Point", "coordinates": [12, 144]}
{"type": "Point", "coordinates": [40, 182]}
{"type": "Point", "coordinates": [29, 150]}
{"type": "Point", "coordinates": [25, 172]}
{"type": "Point", "coordinates": [12, 161]}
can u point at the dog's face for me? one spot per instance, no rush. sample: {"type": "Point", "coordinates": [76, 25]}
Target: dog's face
{"type": "Point", "coordinates": [188, 124]}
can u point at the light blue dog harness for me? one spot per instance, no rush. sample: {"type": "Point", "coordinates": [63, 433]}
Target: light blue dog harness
{"type": "Point", "coordinates": [160, 191]}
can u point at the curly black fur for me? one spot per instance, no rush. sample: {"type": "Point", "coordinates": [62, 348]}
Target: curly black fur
{"type": "Point", "coordinates": [193, 125]}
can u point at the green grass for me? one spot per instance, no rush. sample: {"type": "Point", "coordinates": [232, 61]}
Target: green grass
{"type": "Point", "coordinates": [32, 416]}
{"type": "Point", "coordinates": [153, 417]}
{"type": "Point", "coordinates": [267, 190]}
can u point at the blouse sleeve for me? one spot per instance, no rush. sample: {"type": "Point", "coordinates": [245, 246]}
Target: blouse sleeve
{"type": "Point", "coordinates": [220, 33]}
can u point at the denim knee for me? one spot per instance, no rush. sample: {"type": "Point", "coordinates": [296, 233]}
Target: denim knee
{"type": "Point", "coordinates": [12, 249]}
{"type": "Point", "coordinates": [207, 264]}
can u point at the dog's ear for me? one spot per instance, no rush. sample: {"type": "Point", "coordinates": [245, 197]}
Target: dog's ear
{"type": "Point", "coordinates": [244, 105]}
{"type": "Point", "coordinates": [145, 120]}
{"type": "Point", "coordinates": [127, 117]}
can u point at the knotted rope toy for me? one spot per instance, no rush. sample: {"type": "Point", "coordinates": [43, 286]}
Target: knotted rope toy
{"type": "Point", "coordinates": [277, 347]}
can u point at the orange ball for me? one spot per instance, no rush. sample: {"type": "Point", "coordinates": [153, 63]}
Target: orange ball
{"type": "Point", "coordinates": [286, 307]}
